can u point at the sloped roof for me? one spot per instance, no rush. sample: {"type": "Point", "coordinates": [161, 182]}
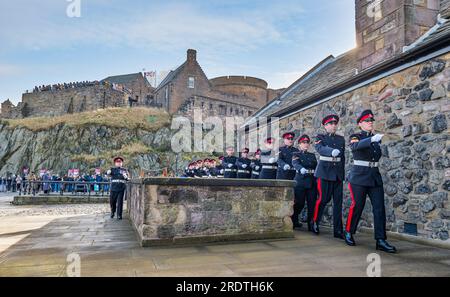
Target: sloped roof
{"type": "Point", "coordinates": [333, 72]}
{"type": "Point", "coordinates": [439, 31]}
{"type": "Point", "coordinates": [122, 79]}
{"type": "Point", "coordinates": [329, 72]}
{"type": "Point", "coordinates": [171, 76]}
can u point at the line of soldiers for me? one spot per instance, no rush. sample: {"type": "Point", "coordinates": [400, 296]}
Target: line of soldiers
{"type": "Point", "coordinates": [317, 181]}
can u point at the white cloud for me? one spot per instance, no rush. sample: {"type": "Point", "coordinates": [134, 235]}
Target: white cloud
{"type": "Point", "coordinates": [44, 25]}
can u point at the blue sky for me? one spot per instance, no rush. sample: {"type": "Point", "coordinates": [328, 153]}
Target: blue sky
{"type": "Point", "coordinates": [274, 40]}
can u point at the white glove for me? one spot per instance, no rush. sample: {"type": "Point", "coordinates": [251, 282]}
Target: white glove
{"type": "Point", "coordinates": [335, 153]}
{"type": "Point", "coordinates": [108, 172]}
{"type": "Point", "coordinates": [125, 175]}
{"type": "Point", "coordinates": [377, 137]}
{"type": "Point", "coordinates": [286, 167]}
{"type": "Point", "coordinates": [257, 168]}
{"type": "Point", "coordinates": [244, 166]}
{"type": "Point", "coordinates": [272, 160]}
{"type": "Point", "coordinates": [221, 171]}
{"type": "Point", "coordinates": [230, 165]}
{"type": "Point", "coordinates": [303, 171]}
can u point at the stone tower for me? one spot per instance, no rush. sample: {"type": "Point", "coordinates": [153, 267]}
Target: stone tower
{"type": "Point", "coordinates": [384, 27]}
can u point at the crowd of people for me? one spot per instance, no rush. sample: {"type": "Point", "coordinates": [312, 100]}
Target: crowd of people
{"type": "Point", "coordinates": [66, 86]}
{"type": "Point", "coordinates": [47, 183]}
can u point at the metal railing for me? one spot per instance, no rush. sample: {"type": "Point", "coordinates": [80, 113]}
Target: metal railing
{"type": "Point", "coordinates": [61, 188]}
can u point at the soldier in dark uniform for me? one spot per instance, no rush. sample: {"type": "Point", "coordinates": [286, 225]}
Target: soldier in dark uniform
{"type": "Point", "coordinates": [285, 169]}
{"type": "Point", "coordinates": [305, 164]}
{"type": "Point", "coordinates": [211, 168]}
{"type": "Point", "coordinates": [199, 171]}
{"type": "Point", "coordinates": [256, 165]}
{"type": "Point", "coordinates": [119, 177]}
{"type": "Point", "coordinates": [330, 175]}
{"type": "Point", "coordinates": [219, 168]}
{"type": "Point", "coordinates": [229, 164]}
{"type": "Point", "coordinates": [268, 160]}
{"type": "Point", "coordinates": [243, 165]}
{"type": "Point", "coordinates": [365, 180]}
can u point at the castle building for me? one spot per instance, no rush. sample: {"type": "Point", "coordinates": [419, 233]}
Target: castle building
{"type": "Point", "coordinates": [188, 87]}
{"type": "Point", "coordinates": [136, 85]}
{"type": "Point", "coordinates": [180, 92]}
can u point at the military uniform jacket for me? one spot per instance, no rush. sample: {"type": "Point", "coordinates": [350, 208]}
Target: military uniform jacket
{"type": "Point", "coordinates": [219, 171]}
{"type": "Point", "coordinates": [230, 168]}
{"type": "Point", "coordinates": [256, 169]}
{"type": "Point", "coordinates": [199, 173]}
{"type": "Point", "coordinates": [118, 181]}
{"type": "Point", "coordinates": [325, 144]}
{"type": "Point", "coordinates": [241, 171]}
{"type": "Point", "coordinates": [308, 161]}
{"type": "Point", "coordinates": [364, 150]}
{"type": "Point", "coordinates": [269, 165]}
{"type": "Point", "coordinates": [285, 158]}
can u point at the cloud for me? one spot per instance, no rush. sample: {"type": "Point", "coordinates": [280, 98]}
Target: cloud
{"type": "Point", "coordinates": [160, 26]}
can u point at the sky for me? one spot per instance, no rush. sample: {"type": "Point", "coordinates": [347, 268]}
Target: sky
{"type": "Point", "coordinates": [55, 41]}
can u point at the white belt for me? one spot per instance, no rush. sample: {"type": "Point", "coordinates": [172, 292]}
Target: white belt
{"type": "Point", "coordinates": [330, 159]}
{"type": "Point", "coordinates": [365, 163]}
{"type": "Point", "coordinates": [269, 167]}
{"type": "Point", "coordinates": [255, 173]}
{"type": "Point", "coordinates": [309, 171]}
{"type": "Point", "coordinates": [230, 170]}
{"type": "Point", "coordinates": [243, 171]}
{"type": "Point", "coordinates": [118, 181]}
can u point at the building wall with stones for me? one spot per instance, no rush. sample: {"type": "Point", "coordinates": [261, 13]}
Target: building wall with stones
{"type": "Point", "coordinates": [54, 103]}
{"type": "Point", "coordinates": [215, 107]}
{"type": "Point", "coordinates": [383, 27]}
{"type": "Point", "coordinates": [412, 109]}
{"type": "Point", "coordinates": [181, 211]}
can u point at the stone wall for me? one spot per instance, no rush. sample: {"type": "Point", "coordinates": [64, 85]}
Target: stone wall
{"type": "Point", "coordinates": [56, 103]}
{"type": "Point", "coordinates": [242, 86]}
{"type": "Point", "coordinates": [215, 107]}
{"type": "Point", "coordinates": [383, 27]}
{"type": "Point", "coordinates": [412, 108]}
{"type": "Point", "coordinates": [188, 211]}
{"type": "Point", "coordinates": [75, 100]}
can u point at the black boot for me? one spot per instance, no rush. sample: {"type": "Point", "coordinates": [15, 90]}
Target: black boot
{"type": "Point", "coordinates": [112, 215]}
{"type": "Point", "coordinates": [339, 235]}
{"type": "Point", "coordinates": [383, 245]}
{"type": "Point", "coordinates": [348, 237]}
{"type": "Point", "coordinates": [315, 228]}
{"type": "Point", "coordinates": [309, 226]}
{"type": "Point", "coordinates": [119, 217]}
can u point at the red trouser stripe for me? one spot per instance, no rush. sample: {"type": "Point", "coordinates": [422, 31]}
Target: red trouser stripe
{"type": "Point", "coordinates": [319, 189]}
{"type": "Point", "coordinates": [352, 208]}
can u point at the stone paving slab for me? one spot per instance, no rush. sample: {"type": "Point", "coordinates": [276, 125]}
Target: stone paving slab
{"type": "Point", "coordinates": [39, 245]}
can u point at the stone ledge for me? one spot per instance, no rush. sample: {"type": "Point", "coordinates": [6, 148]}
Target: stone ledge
{"type": "Point", "coordinates": [215, 182]}
{"type": "Point", "coordinates": [217, 239]}
{"type": "Point", "coordinates": [55, 200]}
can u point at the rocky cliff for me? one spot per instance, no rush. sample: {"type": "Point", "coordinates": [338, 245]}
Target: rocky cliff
{"type": "Point", "coordinates": [89, 140]}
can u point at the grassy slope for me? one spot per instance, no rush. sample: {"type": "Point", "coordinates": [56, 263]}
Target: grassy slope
{"type": "Point", "coordinates": [149, 119]}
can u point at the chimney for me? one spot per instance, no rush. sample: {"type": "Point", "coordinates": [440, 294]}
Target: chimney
{"type": "Point", "coordinates": [191, 55]}
{"type": "Point", "coordinates": [384, 27]}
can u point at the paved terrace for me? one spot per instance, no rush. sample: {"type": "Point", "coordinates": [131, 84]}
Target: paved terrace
{"type": "Point", "coordinates": [35, 241]}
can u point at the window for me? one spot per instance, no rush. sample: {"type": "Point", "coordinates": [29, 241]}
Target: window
{"type": "Point", "coordinates": [191, 82]}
